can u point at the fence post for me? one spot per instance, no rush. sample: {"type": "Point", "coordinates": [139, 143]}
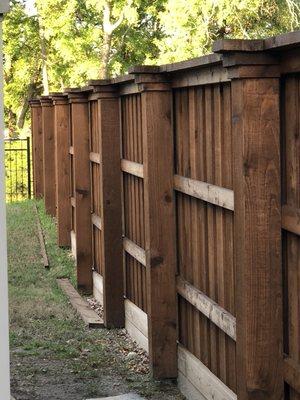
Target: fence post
{"type": "Point", "coordinates": [37, 148]}
{"type": "Point", "coordinates": [61, 131]}
{"type": "Point", "coordinates": [257, 220]}
{"type": "Point", "coordinates": [110, 202]}
{"type": "Point", "coordinates": [156, 100]}
{"type": "Point", "coordinates": [80, 132]}
{"type": "Point", "coordinates": [48, 154]}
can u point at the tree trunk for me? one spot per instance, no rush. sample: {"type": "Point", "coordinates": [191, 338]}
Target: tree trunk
{"type": "Point", "coordinates": [44, 55]}
{"type": "Point", "coordinates": [108, 28]}
{"type": "Point", "coordinates": [28, 96]}
{"type": "Point", "coordinates": [104, 69]}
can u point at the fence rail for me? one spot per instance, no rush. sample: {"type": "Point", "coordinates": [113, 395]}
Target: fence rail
{"type": "Point", "coordinates": [185, 191]}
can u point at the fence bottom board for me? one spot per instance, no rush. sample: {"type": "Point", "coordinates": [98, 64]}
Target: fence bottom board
{"type": "Point", "coordinates": [188, 389]}
{"type": "Point", "coordinates": [89, 316]}
{"type": "Point", "coordinates": [98, 287]}
{"type": "Point", "coordinates": [136, 324]}
{"type": "Point", "coordinates": [196, 381]}
{"type": "Point", "coordinates": [73, 243]}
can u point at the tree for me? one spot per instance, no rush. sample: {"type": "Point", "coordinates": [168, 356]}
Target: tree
{"type": "Point", "coordinates": [190, 27]}
{"type": "Point", "coordinates": [21, 64]}
{"type": "Point", "coordinates": [66, 43]}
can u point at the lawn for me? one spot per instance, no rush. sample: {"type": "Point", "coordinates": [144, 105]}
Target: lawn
{"type": "Point", "coordinates": [53, 355]}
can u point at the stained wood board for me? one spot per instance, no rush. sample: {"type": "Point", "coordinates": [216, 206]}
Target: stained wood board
{"type": "Point", "coordinates": [196, 379]}
{"type": "Point", "coordinates": [89, 316]}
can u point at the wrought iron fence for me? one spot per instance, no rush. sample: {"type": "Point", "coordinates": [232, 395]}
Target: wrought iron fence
{"type": "Point", "coordinates": [18, 169]}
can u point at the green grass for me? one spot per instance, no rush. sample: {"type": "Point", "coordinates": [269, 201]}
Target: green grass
{"type": "Point", "coordinates": [41, 320]}
{"type": "Point", "coordinates": [49, 343]}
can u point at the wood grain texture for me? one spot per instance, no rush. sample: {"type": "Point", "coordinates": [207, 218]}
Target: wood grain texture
{"type": "Point", "coordinates": [135, 251]}
{"type": "Point", "coordinates": [208, 307]}
{"type": "Point", "coordinates": [89, 316]}
{"type": "Point", "coordinates": [111, 212]}
{"type": "Point", "coordinates": [37, 149]}
{"type": "Point", "coordinates": [204, 191]}
{"type": "Point", "coordinates": [136, 324]}
{"type": "Point", "coordinates": [160, 231]}
{"type": "Point", "coordinates": [291, 374]}
{"type": "Point", "coordinates": [199, 380]}
{"type": "Point", "coordinates": [291, 219]}
{"type": "Point", "coordinates": [98, 287]}
{"type": "Point", "coordinates": [291, 241]}
{"type": "Point", "coordinates": [133, 198]}
{"type": "Point", "coordinates": [132, 168]}
{"type": "Point", "coordinates": [257, 238]}
{"type": "Point", "coordinates": [49, 156]}
{"type": "Point", "coordinates": [61, 132]}
{"type": "Point", "coordinates": [82, 192]}
{"type": "Point", "coordinates": [204, 157]}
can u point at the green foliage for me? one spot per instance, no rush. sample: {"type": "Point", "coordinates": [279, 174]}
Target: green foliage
{"type": "Point", "coordinates": [21, 59]}
{"type": "Point", "coordinates": [76, 35]}
{"type": "Point", "coordinates": [190, 27]}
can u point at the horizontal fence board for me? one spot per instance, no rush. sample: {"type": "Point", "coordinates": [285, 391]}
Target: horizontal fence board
{"type": "Point", "coordinates": [220, 317]}
{"type": "Point", "coordinates": [210, 387]}
{"type": "Point", "coordinates": [188, 389]}
{"type": "Point", "coordinates": [95, 157]}
{"type": "Point", "coordinates": [96, 220]}
{"type": "Point", "coordinates": [133, 168]}
{"type": "Point", "coordinates": [89, 316]}
{"type": "Point", "coordinates": [204, 191]}
{"type": "Point", "coordinates": [207, 76]}
{"type": "Point", "coordinates": [291, 219]}
{"type": "Point", "coordinates": [98, 287]}
{"type": "Point", "coordinates": [135, 251]}
{"type": "Point", "coordinates": [291, 373]}
{"type": "Point", "coordinates": [136, 324]}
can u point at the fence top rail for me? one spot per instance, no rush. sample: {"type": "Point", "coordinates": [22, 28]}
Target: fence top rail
{"type": "Point", "coordinates": [283, 42]}
{"type": "Point", "coordinates": [207, 69]}
{"type": "Point", "coordinates": [34, 102]}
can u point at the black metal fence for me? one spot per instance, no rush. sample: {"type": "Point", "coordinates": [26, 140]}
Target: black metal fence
{"type": "Point", "coordinates": [18, 169]}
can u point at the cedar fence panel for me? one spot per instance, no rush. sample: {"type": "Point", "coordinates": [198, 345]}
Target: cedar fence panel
{"type": "Point", "coordinates": [133, 198]}
{"type": "Point", "coordinates": [209, 161]}
{"type": "Point", "coordinates": [61, 132]}
{"type": "Point", "coordinates": [203, 156]}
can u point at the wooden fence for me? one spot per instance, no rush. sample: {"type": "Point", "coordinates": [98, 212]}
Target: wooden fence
{"type": "Point", "coordinates": [185, 191]}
